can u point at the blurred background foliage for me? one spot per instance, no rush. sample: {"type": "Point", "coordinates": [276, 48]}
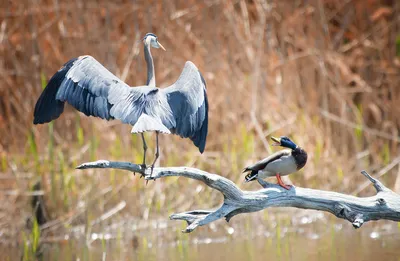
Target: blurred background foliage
{"type": "Point", "coordinates": [323, 72]}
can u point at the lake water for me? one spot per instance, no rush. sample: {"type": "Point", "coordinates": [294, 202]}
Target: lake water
{"type": "Point", "coordinates": [287, 235]}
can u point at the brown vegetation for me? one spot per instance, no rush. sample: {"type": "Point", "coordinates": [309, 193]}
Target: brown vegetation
{"type": "Point", "coordinates": [324, 72]}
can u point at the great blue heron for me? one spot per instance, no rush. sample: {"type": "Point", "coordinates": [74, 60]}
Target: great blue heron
{"type": "Point", "coordinates": [181, 108]}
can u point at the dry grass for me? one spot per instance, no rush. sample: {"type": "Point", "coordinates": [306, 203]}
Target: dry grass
{"type": "Point", "coordinates": [322, 72]}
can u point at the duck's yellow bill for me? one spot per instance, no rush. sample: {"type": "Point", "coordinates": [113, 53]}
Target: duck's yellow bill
{"type": "Point", "coordinates": [277, 141]}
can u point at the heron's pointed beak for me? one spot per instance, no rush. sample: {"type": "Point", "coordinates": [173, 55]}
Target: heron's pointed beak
{"type": "Point", "coordinates": [162, 47]}
{"type": "Point", "coordinates": [277, 141]}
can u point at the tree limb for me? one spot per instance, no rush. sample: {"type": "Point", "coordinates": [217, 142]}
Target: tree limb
{"type": "Point", "coordinates": [358, 210]}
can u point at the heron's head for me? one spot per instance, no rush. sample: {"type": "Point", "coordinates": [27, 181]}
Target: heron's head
{"type": "Point", "coordinates": [284, 142]}
{"type": "Point", "coordinates": [151, 39]}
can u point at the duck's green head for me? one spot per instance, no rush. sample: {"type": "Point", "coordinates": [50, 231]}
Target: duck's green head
{"type": "Point", "coordinates": [284, 142]}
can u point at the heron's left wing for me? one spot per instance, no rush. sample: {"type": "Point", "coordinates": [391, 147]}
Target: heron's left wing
{"type": "Point", "coordinates": [90, 88]}
{"type": "Point", "coordinates": [187, 98]}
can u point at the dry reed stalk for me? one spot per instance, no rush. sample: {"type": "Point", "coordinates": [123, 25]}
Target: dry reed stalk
{"type": "Point", "coordinates": [269, 66]}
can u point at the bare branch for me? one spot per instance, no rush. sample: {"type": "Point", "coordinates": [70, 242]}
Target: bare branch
{"type": "Point", "coordinates": [357, 210]}
{"type": "Point", "coordinates": [105, 164]}
{"type": "Point", "coordinates": [382, 172]}
{"type": "Point", "coordinates": [377, 184]}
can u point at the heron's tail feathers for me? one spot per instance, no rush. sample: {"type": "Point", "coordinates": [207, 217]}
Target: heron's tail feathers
{"type": "Point", "coordinates": [47, 107]}
{"type": "Point", "coordinates": [149, 123]}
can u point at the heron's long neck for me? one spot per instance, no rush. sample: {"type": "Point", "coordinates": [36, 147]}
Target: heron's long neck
{"type": "Point", "coordinates": [151, 79]}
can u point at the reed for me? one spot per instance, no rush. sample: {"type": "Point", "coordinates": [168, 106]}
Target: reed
{"type": "Point", "coordinates": [323, 72]}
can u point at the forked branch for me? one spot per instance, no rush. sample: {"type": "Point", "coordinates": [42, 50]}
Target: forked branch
{"type": "Point", "coordinates": [358, 210]}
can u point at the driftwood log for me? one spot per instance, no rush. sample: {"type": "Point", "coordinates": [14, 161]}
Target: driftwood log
{"type": "Point", "coordinates": [358, 210]}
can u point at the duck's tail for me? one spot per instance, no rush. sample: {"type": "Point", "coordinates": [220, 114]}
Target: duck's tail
{"type": "Point", "coordinates": [251, 176]}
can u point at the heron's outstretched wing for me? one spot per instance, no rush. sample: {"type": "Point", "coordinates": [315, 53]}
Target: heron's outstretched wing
{"type": "Point", "coordinates": [89, 87]}
{"type": "Point", "coordinates": [187, 99]}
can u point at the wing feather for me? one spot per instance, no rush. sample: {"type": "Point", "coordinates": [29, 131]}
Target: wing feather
{"type": "Point", "coordinates": [264, 162]}
{"type": "Point", "coordinates": [187, 99]}
{"type": "Point", "coordinates": [89, 87]}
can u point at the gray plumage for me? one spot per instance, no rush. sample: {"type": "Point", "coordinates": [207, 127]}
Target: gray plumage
{"type": "Point", "coordinates": [180, 109]}
{"type": "Point", "coordinates": [280, 162]}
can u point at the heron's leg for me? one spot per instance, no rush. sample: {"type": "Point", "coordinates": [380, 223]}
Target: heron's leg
{"type": "Point", "coordinates": [144, 150]}
{"type": "Point", "coordinates": [157, 153]}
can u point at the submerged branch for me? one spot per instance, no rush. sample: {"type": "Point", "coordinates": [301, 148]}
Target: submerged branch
{"type": "Point", "coordinates": [357, 210]}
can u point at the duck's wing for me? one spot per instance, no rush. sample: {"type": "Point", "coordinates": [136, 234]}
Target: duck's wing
{"type": "Point", "coordinates": [264, 162]}
{"type": "Point", "coordinates": [187, 99]}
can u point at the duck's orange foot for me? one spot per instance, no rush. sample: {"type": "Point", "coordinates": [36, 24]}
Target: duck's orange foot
{"type": "Point", "coordinates": [285, 186]}
{"type": "Point", "coordinates": [280, 182]}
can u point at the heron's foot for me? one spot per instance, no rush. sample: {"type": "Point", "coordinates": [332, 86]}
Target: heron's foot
{"type": "Point", "coordinates": [147, 172]}
{"type": "Point", "coordinates": [144, 168]}
{"type": "Point", "coordinates": [151, 168]}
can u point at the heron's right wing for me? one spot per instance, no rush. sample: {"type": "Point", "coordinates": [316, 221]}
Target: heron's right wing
{"type": "Point", "coordinates": [89, 87]}
{"type": "Point", "coordinates": [187, 98]}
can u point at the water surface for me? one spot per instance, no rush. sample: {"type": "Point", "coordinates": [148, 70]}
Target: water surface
{"type": "Point", "coordinates": [307, 236]}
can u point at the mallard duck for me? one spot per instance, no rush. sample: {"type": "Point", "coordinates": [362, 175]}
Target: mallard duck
{"type": "Point", "coordinates": [279, 164]}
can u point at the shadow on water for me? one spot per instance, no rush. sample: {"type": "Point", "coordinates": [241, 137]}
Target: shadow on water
{"type": "Point", "coordinates": [314, 236]}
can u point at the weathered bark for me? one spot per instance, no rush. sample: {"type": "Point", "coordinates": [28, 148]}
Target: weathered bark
{"type": "Point", "coordinates": [358, 210]}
